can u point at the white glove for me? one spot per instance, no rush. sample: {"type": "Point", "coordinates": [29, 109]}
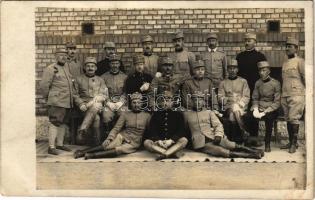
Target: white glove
{"type": "Point", "coordinates": [261, 114]}
{"type": "Point", "coordinates": [145, 87]}
{"type": "Point", "coordinates": [256, 113]}
{"type": "Point", "coordinates": [158, 74]}
{"type": "Point", "coordinates": [83, 108]}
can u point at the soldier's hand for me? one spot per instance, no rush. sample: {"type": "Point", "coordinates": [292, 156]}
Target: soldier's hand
{"type": "Point", "coordinates": [261, 114]}
{"type": "Point", "coordinates": [99, 99]}
{"type": "Point", "coordinates": [161, 144]}
{"type": "Point", "coordinates": [83, 108]}
{"type": "Point", "coordinates": [158, 74]}
{"type": "Point", "coordinates": [119, 105]}
{"type": "Point", "coordinates": [111, 106]}
{"type": "Point", "coordinates": [217, 140]}
{"type": "Point", "coordinates": [236, 107]}
{"type": "Point", "coordinates": [145, 87]}
{"type": "Point", "coordinates": [217, 113]}
{"type": "Point", "coordinates": [106, 143]}
{"type": "Point", "coordinates": [89, 104]}
{"type": "Point", "coordinates": [256, 113]}
{"type": "Point", "coordinates": [168, 143]}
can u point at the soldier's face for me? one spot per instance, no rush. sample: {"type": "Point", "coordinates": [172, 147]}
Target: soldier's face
{"type": "Point", "coordinates": [199, 72]}
{"type": "Point", "coordinates": [290, 49]}
{"type": "Point", "coordinates": [198, 103]}
{"type": "Point", "coordinates": [264, 73]}
{"type": "Point", "coordinates": [250, 43]}
{"type": "Point", "coordinates": [167, 68]}
{"type": "Point", "coordinates": [136, 104]}
{"type": "Point", "coordinates": [61, 58]}
{"type": "Point", "coordinates": [139, 67]}
{"type": "Point", "coordinates": [114, 66]}
{"type": "Point", "coordinates": [71, 52]}
{"type": "Point", "coordinates": [109, 51]}
{"type": "Point", "coordinates": [147, 47]}
{"type": "Point", "coordinates": [212, 43]}
{"type": "Point", "coordinates": [178, 44]}
{"type": "Point", "coordinates": [165, 102]}
{"type": "Point", "coordinates": [90, 69]}
{"type": "Point", "coordinates": [232, 71]}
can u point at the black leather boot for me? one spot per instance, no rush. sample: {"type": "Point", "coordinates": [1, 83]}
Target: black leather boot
{"type": "Point", "coordinates": [103, 154]}
{"type": "Point", "coordinates": [295, 132]}
{"type": "Point", "coordinates": [234, 154]}
{"type": "Point", "coordinates": [81, 153]}
{"type": "Point", "coordinates": [249, 150]}
{"type": "Point", "coordinates": [267, 142]}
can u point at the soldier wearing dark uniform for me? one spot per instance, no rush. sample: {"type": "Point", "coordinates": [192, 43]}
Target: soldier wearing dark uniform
{"type": "Point", "coordinates": [215, 61]}
{"type": "Point", "coordinates": [103, 66]}
{"type": "Point", "coordinates": [202, 83]}
{"type": "Point", "coordinates": [166, 135]}
{"type": "Point", "coordinates": [151, 61]}
{"type": "Point", "coordinates": [168, 81]}
{"type": "Point", "coordinates": [125, 137]}
{"type": "Point", "coordinates": [266, 100]}
{"type": "Point", "coordinates": [75, 66]}
{"type": "Point", "coordinates": [91, 95]}
{"type": "Point", "coordinates": [207, 133]}
{"type": "Point", "coordinates": [293, 91]}
{"type": "Point", "coordinates": [115, 81]}
{"type": "Point", "coordinates": [57, 87]}
{"type": "Point", "coordinates": [234, 97]}
{"type": "Point", "coordinates": [183, 59]}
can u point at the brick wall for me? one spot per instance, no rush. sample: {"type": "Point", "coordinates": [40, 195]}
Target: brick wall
{"type": "Point", "coordinates": [56, 26]}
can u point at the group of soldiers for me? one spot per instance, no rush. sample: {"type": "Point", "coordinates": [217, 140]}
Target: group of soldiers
{"type": "Point", "coordinates": [204, 102]}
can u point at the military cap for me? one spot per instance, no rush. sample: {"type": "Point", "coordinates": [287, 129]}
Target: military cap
{"type": "Point", "coordinates": [198, 63]}
{"type": "Point", "coordinates": [212, 35]}
{"type": "Point", "coordinates": [263, 64]}
{"type": "Point", "coordinates": [90, 60]}
{"type": "Point", "coordinates": [70, 45]}
{"type": "Point", "coordinates": [61, 50]}
{"type": "Point", "coordinates": [114, 57]}
{"type": "Point", "coordinates": [250, 36]}
{"type": "Point", "coordinates": [232, 63]}
{"type": "Point", "coordinates": [178, 34]}
{"type": "Point", "coordinates": [292, 40]}
{"type": "Point", "coordinates": [135, 95]}
{"type": "Point", "coordinates": [109, 45]}
{"type": "Point", "coordinates": [198, 94]}
{"type": "Point", "coordinates": [138, 59]}
{"type": "Point", "coordinates": [146, 38]}
{"type": "Point", "coordinates": [166, 61]}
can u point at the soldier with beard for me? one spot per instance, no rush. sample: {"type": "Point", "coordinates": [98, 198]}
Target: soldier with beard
{"type": "Point", "coordinates": [151, 61]}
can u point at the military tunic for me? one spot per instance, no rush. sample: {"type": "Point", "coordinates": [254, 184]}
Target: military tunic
{"type": "Point", "coordinates": [183, 62]}
{"type": "Point", "coordinates": [151, 64]}
{"type": "Point", "coordinates": [216, 66]}
{"type": "Point", "coordinates": [75, 67]}
{"type": "Point", "coordinates": [115, 84]}
{"type": "Point", "coordinates": [135, 81]}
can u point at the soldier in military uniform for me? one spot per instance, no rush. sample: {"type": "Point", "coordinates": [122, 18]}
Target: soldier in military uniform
{"type": "Point", "coordinates": [207, 133]}
{"type": "Point", "coordinates": [168, 81]}
{"type": "Point", "coordinates": [103, 66]}
{"type": "Point", "coordinates": [151, 61]}
{"type": "Point", "coordinates": [234, 97]}
{"type": "Point", "coordinates": [266, 100]}
{"type": "Point", "coordinates": [125, 137]}
{"type": "Point", "coordinates": [183, 59]}
{"type": "Point", "coordinates": [166, 135]}
{"type": "Point", "coordinates": [199, 82]}
{"type": "Point", "coordinates": [91, 94]}
{"type": "Point", "coordinates": [293, 91]}
{"type": "Point", "coordinates": [215, 61]}
{"type": "Point", "coordinates": [114, 80]}
{"type": "Point", "coordinates": [57, 88]}
{"type": "Point", "coordinates": [75, 65]}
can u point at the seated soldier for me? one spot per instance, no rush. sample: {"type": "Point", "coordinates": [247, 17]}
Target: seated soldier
{"type": "Point", "coordinates": [125, 137]}
{"type": "Point", "coordinates": [114, 80]}
{"type": "Point", "coordinates": [166, 130]}
{"type": "Point", "coordinates": [207, 133]}
{"type": "Point", "coordinates": [234, 96]}
{"type": "Point", "coordinates": [266, 100]}
{"type": "Point", "coordinates": [90, 94]}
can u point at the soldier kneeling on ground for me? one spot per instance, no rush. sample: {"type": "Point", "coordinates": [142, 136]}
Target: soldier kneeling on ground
{"type": "Point", "coordinates": [125, 137]}
{"type": "Point", "coordinates": [207, 133]}
{"type": "Point", "coordinates": [166, 135]}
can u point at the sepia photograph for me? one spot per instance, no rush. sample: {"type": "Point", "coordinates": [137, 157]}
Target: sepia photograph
{"type": "Point", "coordinates": [186, 96]}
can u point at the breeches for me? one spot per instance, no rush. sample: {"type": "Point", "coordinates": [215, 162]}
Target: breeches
{"type": "Point", "coordinates": [121, 145]}
{"type": "Point", "coordinates": [293, 108]}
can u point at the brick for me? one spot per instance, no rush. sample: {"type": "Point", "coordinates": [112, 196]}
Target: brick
{"type": "Point", "coordinates": [219, 16]}
{"type": "Point", "coordinates": [192, 25]}
{"type": "Point", "coordinates": [224, 21]}
{"type": "Point", "coordinates": [113, 27]}
{"type": "Point", "coordinates": [228, 26]}
{"type": "Point", "coordinates": [238, 16]}
{"type": "Point", "coordinates": [206, 11]}
{"type": "Point", "coordinates": [157, 17]}
{"type": "Point", "coordinates": [170, 12]}
{"type": "Point", "coordinates": [201, 16]}
{"type": "Point", "coordinates": [287, 20]}
{"type": "Point", "coordinates": [139, 17]}
{"type": "Point", "coordinates": [247, 16]}
{"type": "Point", "coordinates": [196, 12]}
{"type": "Point", "coordinates": [225, 11]}
{"type": "Point", "coordinates": [179, 21]}
{"type": "Point", "coordinates": [228, 16]}
{"type": "Point", "coordinates": [210, 16]}
{"type": "Point", "coordinates": [216, 11]}
{"type": "Point", "coordinates": [270, 10]}
{"type": "Point", "coordinates": [275, 16]}
{"type": "Point", "coordinates": [166, 17]}
{"type": "Point", "coordinates": [215, 21]}
{"type": "Point", "coordinates": [123, 17]}
{"type": "Point", "coordinates": [64, 14]}
{"type": "Point", "coordinates": [210, 25]}
{"type": "Point", "coordinates": [233, 21]}
{"type": "Point", "coordinates": [55, 14]}
{"type": "Point", "coordinates": [219, 26]}
{"type": "Point", "coordinates": [78, 18]}
{"type": "Point", "coordinates": [279, 10]}
{"type": "Point", "coordinates": [117, 31]}
{"type": "Point", "coordinates": [243, 11]}
{"type": "Point", "coordinates": [256, 15]}
{"type": "Point", "coordinates": [206, 21]}
{"type": "Point", "coordinates": [237, 26]}
{"type": "Point", "coordinates": [66, 23]}
{"type": "Point", "coordinates": [174, 16]}
{"type": "Point", "coordinates": [144, 12]}
{"type": "Point", "coordinates": [161, 12]}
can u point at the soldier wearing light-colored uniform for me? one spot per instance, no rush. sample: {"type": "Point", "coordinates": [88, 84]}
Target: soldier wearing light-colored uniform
{"type": "Point", "coordinates": [293, 91]}
{"type": "Point", "coordinates": [215, 61]}
{"type": "Point", "coordinates": [57, 88]}
{"type": "Point", "coordinates": [151, 60]}
{"type": "Point", "coordinates": [91, 95]}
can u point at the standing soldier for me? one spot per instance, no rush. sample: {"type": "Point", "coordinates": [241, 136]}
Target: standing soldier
{"type": "Point", "coordinates": [151, 61]}
{"type": "Point", "coordinates": [166, 135]}
{"type": "Point", "coordinates": [91, 94]}
{"type": "Point", "coordinates": [114, 80]}
{"type": "Point", "coordinates": [57, 88]}
{"type": "Point", "coordinates": [103, 65]}
{"type": "Point", "coordinates": [215, 61]}
{"type": "Point", "coordinates": [266, 100]}
{"type": "Point", "coordinates": [234, 97]}
{"type": "Point", "coordinates": [75, 66]}
{"type": "Point", "coordinates": [207, 133]}
{"type": "Point", "coordinates": [202, 83]}
{"type": "Point", "coordinates": [293, 91]}
{"type": "Point", "coordinates": [183, 59]}
{"type": "Point", "coordinates": [125, 137]}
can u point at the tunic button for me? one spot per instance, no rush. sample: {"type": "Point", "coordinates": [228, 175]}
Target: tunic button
{"type": "Point", "coordinates": [165, 118]}
{"type": "Point", "coordinates": [165, 129]}
{"type": "Point", "coordinates": [166, 113]}
{"type": "Point", "coordinates": [165, 124]}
